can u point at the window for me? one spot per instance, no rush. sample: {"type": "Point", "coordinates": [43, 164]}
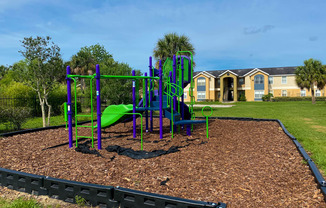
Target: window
{"type": "Point", "coordinates": [201, 95]}
{"type": "Point", "coordinates": [317, 93]}
{"type": "Point", "coordinates": [283, 79]}
{"type": "Point", "coordinates": [303, 93]}
{"type": "Point", "coordinates": [259, 94]}
{"type": "Point", "coordinates": [185, 95]}
{"type": "Point", "coordinates": [271, 92]}
{"type": "Point", "coordinates": [270, 80]}
{"type": "Point", "coordinates": [284, 93]}
{"type": "Point", "coordinates": [218, 81]}
{"type": "Point", "coordinates": [201, 82]}
{"type": "Point", "coordinates": [259, 80]}
{"type": "Point", "coordinates": [241, 81]}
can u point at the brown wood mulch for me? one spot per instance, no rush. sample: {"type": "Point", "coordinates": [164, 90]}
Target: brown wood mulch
{"type": "Point", "coordinates": [243, 163]}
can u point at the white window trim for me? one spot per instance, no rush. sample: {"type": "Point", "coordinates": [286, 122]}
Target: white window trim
{"type": "Point", "coordinates": [184, 95]}
{"type": "Point", "coordinates": [260, 93]}
{"type": "Point", "coordinates": [260, 79]}
{"type": "Point", "coordinates": [286, 93]}
{"type": "Point", "coordinates": [319, 91]}
{"type": "Point", "coordinates": [271, 79]}
{"type": "Point", "coordinates": [286, 80]}
{"type": "Point", "coordinates": [200, 92]}
{"type": "Point", "coordinates": [201, 81]}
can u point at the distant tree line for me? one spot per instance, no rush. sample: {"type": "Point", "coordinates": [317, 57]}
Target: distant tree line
{"type": "Point", "coordinates": [42, 74]}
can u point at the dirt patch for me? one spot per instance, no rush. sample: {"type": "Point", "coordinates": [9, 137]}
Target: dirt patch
{"type": "Point", "coordinates": [308, 121]}
{"type": "Point", "coordinates": [243, 163]}
{"type": "Point", "coordinates": [319, 128]}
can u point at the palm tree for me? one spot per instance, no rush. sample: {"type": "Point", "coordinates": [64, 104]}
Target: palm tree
{"type": "Point", "coordinates": [169, 45]}
{"type": "Point", "coordinates": [84, 62]}
{"type": "Point", "coordinates": [311, 74]}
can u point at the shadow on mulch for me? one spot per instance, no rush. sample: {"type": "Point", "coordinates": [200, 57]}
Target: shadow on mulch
{"type": "Point", "coordinates": [129, 152]}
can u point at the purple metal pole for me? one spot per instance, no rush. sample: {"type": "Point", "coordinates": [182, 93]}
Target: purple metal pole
{"type": "Point", "coordinates": [161, 100]}
{"type": "Point", "coordinates": [151, 92]}
{"type": "Point", "coordinates": [170, 78]}
{"type": "Point", "coordinates": [182, 98]}
{"type": "Point", "coordinates": [188, 130]}
{"type": "Point", "coordinates": [134, 103]}
{"type": "Point", "coordinates": [174, 82]}
{"type": "Point", "coordinates": [69, 107]}
{"type": "Point", "coordinates": [146, 103]}
{"type": "Point", "coordinates": [98, 106]}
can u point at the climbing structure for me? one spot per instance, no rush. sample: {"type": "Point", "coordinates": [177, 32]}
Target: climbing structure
{"type": "Point", "coordinates": [168, 99]}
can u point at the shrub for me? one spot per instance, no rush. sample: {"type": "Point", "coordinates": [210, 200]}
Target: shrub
{"type": "Point", "coordinates": [15, 116]}
{"type": "Point", "coordinates": [207, 100]}
{"type": "Point", "coordinates": [285, 99]}
{"type": "Point", "coordinates": [267, 97]}
{"type": "Point", "coordinates": [56, 98]}
{"type": "Point", "coordinates": [80, 201]}
{"type": "Point", "coordinates": [242, 97]}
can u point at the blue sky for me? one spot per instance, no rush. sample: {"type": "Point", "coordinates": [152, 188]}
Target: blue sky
{"type": "Point", "coordinates": [227, 34]}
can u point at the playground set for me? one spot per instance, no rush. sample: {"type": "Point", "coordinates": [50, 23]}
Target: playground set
{"type": "Point", "coordinates": [172, 77]}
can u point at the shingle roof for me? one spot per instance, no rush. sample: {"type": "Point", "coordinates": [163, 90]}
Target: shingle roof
{"type": "Point", "coordinates": [241, 72]}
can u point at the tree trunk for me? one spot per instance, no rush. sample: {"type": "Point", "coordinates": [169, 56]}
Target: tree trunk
{"type": "Point", "coordinates": [82, 85]}
{"type": "Point", "coordinates": [313, 99]}
{"type": "Point", "coordinates": [43, 112]}
{"type": "Point", "coordinates": [49, 111]}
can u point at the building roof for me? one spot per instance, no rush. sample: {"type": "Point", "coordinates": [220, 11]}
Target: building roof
{"type": "Point", "coordinates": [242, 72]}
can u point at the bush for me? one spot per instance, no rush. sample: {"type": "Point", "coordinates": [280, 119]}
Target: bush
{"type": "Point", "coordinates": [242, 97]}
{"type": "Point", "coordinates": [207, 100]}
{"type": "Point", "coordinates": [56, 99]}
{"type": "Point", "coordinates": [15, 116]}
{"type": "Point", "coordinates": [267, 97]}
{"type": "Point", "coordinates": [285, 99]}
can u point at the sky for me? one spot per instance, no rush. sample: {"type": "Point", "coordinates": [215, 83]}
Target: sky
{"type": "Point", "coordinates": [226, 34]}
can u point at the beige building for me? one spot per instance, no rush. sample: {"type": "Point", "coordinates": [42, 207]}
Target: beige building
{"type": "Point", "coordinates": [229, 85]}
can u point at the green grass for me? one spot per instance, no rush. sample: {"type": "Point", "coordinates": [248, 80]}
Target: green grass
{"type": "Point", "coordinates": [19, 203]}
{"type": "Point", "coordinates": [302, 119]}
{"type": "Point", "coordinates": [37, 122]}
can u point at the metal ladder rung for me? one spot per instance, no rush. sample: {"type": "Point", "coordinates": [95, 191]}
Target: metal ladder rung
{"type": "Point", "coordinates": [83, 115]}
{"type": "Point", "coordinates": [85, 126]}
{"type": "Point", "coordinates": [84, 137]}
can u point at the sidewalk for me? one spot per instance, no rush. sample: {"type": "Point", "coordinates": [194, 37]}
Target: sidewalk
{"type": "Point", "coordinates": [214, 106]}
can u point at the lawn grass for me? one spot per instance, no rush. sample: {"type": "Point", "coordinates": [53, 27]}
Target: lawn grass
{"type": "Point", "coordinates": [36, 122]}
{"type": "Point", "coordinates": [302, 119]}
{"type": "Point", "coordinates": [19, 203]}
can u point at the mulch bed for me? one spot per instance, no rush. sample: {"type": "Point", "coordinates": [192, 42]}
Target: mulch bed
{"type": "Point", "coordinates": [243, 163]}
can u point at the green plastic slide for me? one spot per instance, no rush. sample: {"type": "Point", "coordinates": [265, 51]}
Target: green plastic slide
{"type": "Point", "coordinates": [114, 114]}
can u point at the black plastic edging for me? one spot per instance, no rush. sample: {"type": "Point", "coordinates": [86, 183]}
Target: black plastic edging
{"type": "Point", "coordinates": [95, 195]}
{"type": "Point", "coordinates": [134, 198]}
{"type": "Point", "coordinates": [20, 181]}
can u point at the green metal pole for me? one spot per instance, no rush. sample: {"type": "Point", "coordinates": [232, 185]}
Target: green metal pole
{"type": "Point", "coordinates": [92, 119]}
{"type": "Point", "coordinates": [66, 114]}
{"type": "Point", "coordinates": [202, 112]}
{"type": "Point", "coordinates": [207, 126]}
